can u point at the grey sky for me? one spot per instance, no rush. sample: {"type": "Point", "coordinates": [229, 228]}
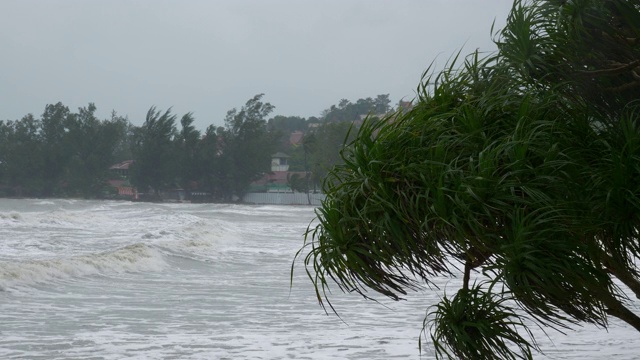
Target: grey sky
{"type": "Point", "coordinates": [210, 56]}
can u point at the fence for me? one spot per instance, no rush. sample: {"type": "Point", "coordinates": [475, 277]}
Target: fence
{"type": "Point", "coordinates": [283, 198]}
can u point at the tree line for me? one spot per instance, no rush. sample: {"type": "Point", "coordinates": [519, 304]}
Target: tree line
{"type": "Point", "coordinates": [68, 154]}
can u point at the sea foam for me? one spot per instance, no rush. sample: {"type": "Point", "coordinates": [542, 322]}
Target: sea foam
{"type": "Point", "coordinates": [137, 257]}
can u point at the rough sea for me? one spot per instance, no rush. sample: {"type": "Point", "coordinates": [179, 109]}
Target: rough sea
{"type": "Point", "coordinates": [123, 280]}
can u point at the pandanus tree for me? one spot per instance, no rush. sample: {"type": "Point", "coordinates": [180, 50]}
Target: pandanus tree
{"type": "Point", "coordinates": [518, 171]}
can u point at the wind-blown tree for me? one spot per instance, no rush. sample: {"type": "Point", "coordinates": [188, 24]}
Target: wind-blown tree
{"type": "Point", "coordinates": [188, 140]}
{"type": "Point", "coordinates": [248, 145]}
{"type": "Point", "coordinates": [154, 152]}
{"type": "Point", "coordinates": [523, 166]}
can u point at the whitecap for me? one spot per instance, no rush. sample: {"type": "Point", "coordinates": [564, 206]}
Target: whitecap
{"type": "Point", "coordinates": [12, 216]}
{"type": "Point", "coordinates": [132, 258]}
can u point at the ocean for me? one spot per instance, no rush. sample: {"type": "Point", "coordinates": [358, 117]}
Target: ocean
{"type": "Point", "coordinates": [123, 280]}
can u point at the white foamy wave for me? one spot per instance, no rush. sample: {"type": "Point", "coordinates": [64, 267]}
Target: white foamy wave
{"type": "Point", "coordinates": [132, 258]}
{"type": "Point", "coordinates": [59, 218]}
{"type": "Point", "coordinates": [199, 240]}
{"type": "Point", "coordinates": [13, 216]}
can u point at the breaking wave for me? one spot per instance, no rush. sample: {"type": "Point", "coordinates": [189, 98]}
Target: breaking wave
{"type": "Point", "coordinates": [132, 258]}
{"type": "Point", "coordinates": [13, 216]}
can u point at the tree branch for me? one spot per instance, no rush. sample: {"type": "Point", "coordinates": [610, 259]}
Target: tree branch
{"type": "Point", "coordinates": [627, 86]}
{"type": "Point", "coordinates": [621, 68]}
{"type": "Point", "coordinates": [626, 277]}
{"type": "Point", "coordinates": [617, 309]}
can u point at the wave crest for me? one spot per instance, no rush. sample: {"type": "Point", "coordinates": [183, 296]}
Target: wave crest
{"type": "Point", "coordinates": [132, 258]}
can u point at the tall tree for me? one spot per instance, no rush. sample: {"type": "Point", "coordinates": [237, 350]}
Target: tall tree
{"type": "Point", "coordinates": [56, 152]}
{"type": "Point", "coordinates": [92, 145]}
{"type": "Point", "coordinates": [208, 159]}
{"type": "Point", "coordinates": [248, 145]}
{"type": "Point", "coordinates": [188, 153]}
{"type": "Point", "coordinates": [522, 165]}
{"type": "Point", "coordinates": [123, 150]}
{"type": "Point", "coordinates": [381, 104]}
{"type": "Point", "coordinates": [154, 152]}
{"type": "Point", "coordinates": [21, 156]}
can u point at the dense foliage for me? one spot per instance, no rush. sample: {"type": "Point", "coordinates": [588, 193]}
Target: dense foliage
{"type": "Point", "coordinates": [153, 151]}
{"type": "Point", "coordinates": [346, 111]}
{"type": "Point", "coordinates": [63, 153]}
{"type": "Point", "coordinates": [250, 143]}
{"type": "Point", "coordinates": [60, 154]}
{"type": "Point", "coordinates": [522, 166]}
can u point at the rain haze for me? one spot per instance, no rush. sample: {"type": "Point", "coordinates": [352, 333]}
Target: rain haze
{"type": "Point", "coordinates": [207, 57]}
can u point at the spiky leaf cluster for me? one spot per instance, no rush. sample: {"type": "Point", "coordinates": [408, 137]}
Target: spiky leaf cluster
{"type": "Point", "coordinates": [524, 164]}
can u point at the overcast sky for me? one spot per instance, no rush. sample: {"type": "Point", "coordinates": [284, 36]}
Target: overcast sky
{"type": "Point", "coordinates": [207, 56]}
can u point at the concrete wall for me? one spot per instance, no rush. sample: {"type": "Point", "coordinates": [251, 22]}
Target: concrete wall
{"type": "Point", "coordinates": [283, 198]}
